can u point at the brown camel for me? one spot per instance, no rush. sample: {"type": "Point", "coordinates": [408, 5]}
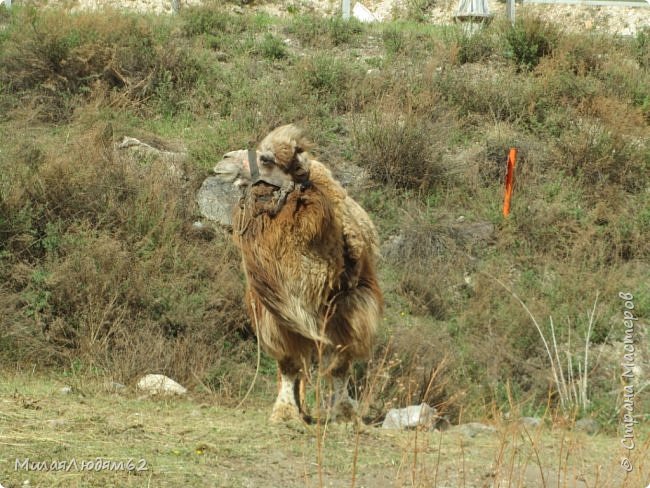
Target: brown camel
{"type": "Point", "coordinates": [309, 255]}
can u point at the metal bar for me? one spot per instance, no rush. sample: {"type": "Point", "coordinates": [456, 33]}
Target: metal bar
{"type": "Point", "coordinates": [346, 9]}
{"type": "Point", "coordinates": [595, 3]}
{"type": "Point", "coordinates": [510, 11]}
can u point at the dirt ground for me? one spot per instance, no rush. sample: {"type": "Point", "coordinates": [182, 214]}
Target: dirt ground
{"type": "Point", "coordinates": [90, 437]}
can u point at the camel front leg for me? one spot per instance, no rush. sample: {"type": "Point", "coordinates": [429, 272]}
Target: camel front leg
{"type": "Point", "coordinates": [286, 405]}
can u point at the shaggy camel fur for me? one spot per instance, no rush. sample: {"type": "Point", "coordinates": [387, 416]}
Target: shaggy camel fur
{"type": "Point", "coordinates": [309, 254]}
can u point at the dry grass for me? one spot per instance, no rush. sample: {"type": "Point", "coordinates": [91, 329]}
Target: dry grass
{"type": "Point", "coordinates": [198, 441]}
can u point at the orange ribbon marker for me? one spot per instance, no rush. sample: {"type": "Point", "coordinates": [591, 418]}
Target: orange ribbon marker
{"type": "Point", "coordinates": [510, 176]}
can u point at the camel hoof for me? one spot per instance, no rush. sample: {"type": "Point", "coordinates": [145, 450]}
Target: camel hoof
{"type": "Point", "coordinates": [283, 412]}
{"type": "Point", "coordinates": [345, 411]}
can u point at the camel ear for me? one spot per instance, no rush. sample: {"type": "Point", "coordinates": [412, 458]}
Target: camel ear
{"type": "Point", "coordinates": [301, 171]}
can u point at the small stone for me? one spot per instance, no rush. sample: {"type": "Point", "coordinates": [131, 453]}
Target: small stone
{"type": "Point", "coordinates": [66, 390]}
{"type": "Point", "coordinates": [410, 417]}
{"type": "Point", "coordinates": [473, 429]}
{"type": "Point", "coordinates": [472, 232]}
{"type": "Point", "coordinates": [589, 426]}
{"type": "Point", "coordinates": [533, 422]}
{"type": "Point", "coordinates": [114, 386]}
{"type": "Point", "coordinates": [160, 384]}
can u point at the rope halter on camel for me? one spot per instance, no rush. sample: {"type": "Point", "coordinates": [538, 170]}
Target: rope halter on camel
{"type": "Point", "coordinates": [280, 195]}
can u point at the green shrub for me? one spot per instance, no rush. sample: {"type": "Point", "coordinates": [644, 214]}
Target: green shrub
{"type": "Point", "coordinates": [475, 47]}
{"type": "Point", "coordinates": [394, 39]}
{"type": "Point", "coordinates": [273, 48]}
{"type": "Point", "coordinates": [417, 10]}
{"type": "Point", "coordinates": [529, 40]}
{"type": "Point", "coordinates": [316, 31]}
{"type": "Point", "coordinates": [211, 20]}
{"type": "Point", "coordinates": [603, 157]}
{"type": "Point", "coordinates": [329, 78]}
{"type": "Point", "coordinates": [343, 31]}
{"type": "Point", "coordinates": [642, 47]}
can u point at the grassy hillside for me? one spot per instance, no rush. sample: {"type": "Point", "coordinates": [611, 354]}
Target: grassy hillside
{"type": "Point", "coordinates": [102, 273]}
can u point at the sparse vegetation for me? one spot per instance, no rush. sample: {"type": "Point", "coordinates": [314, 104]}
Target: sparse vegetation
{"type": "Point", "coordinates": [99, 262]}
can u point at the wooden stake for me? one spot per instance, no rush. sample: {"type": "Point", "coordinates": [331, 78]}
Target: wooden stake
{"type": "Point", "coordinates": [510, 177]}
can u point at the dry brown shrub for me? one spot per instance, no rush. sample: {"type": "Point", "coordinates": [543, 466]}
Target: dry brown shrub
{"type": "Point", "coordinates": [409, 371]}
{"type": "Point", "coordinates": [603, 156]}
{"type": "Point", "coordinates": [403, 147]}
{"type": "Point", "coordinates": [110, 276]}
{"type": "Point", "coordinates": [54, 66]}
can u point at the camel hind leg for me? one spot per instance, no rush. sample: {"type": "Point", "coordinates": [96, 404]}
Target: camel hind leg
{"type": "Point", "coordinates": [343, 407]}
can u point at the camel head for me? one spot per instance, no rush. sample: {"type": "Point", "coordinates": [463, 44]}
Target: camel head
{"type": "Point", "coordinates": [281, 159]}
{"type": "Point", "coordinates": [285, 148]}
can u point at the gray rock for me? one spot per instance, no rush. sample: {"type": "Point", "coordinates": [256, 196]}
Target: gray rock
{"type": "Point", "coordinates": [473, 429]}
{"type": "Point", "coordinates": [159, 384]}
{"type": "Point", "coordinates": [410, 417]}
{"type": "Point", "coordinates": [353, 177]}
{"type": "Point", "coordinates": [533, 422]}
{"type": "Point", "coordinates": [589, 426]}
{"type": "Point", "coordinates": [472, 232]}
{"type": "Point", "coordinates": [391, 247]}
{"type": "Point", "coordinates": [173, 160]}
{"type": "Point", "coordinates": [216, 199]}
{"type": "Point", "coordinates": [114, 386]}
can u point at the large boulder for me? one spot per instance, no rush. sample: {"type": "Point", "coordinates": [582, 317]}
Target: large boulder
{"type": "Point", "coordinates": [216, 199]}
